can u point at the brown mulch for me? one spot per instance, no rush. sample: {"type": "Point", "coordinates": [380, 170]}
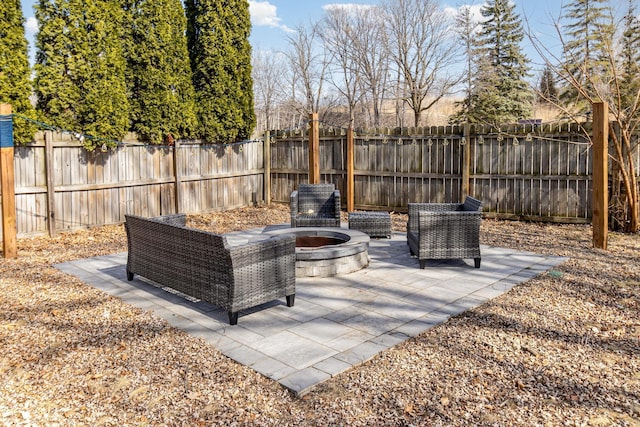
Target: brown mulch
{"type": "Point", "coordinates": [560, 349]}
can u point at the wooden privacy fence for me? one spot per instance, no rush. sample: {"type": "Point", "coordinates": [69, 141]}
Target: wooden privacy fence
{"type": "Point", "coordinates": [540, 172]}
{"type": "Point", "coordinates": [60, 186]}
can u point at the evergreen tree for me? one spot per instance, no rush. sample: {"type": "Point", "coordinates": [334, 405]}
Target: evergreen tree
{"type": "Point", "coordinates": [15, 86]}
{"type": "Point", "coordinates": [630, 60]}
{"type": "Point", "coordinates": [80, 67]}
{"type": "Point", "coordinates": [159, 75]}
{"type": "Point", "coordinates": [589, 36]}
{"type": "Point", "coordinates": [500, 91]}
{"type": "Point", "coordinates": [548, 89]}
{"type": "Point", "coordinates": [220, 53]}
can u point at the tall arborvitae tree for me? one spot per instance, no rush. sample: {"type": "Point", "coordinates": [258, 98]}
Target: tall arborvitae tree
{"type": "Point", "coordinates": [162, 95]}
{"type": "Point", "coordinates": [501, 92]}
{"type": "Point", "coordinates": [15, 86]}
{"type": "Point", "coordinates": [630, 61]}
{"type": "Point", "coordinates": [80, 68]}
{"type": "Point", "coordinates": [220, 53]}
{"type": "Point", "coordinates": [548, 91]}
{"type": "Point", "coordinates": [589, 39]}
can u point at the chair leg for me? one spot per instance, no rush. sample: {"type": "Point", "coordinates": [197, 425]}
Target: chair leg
{"type": "Point", "coordinates": [233, 318]}
{"type": "Point", "coordinates": [129, 275]}
{"type": "Point", "coordinates": [291, 300]}
{"type": "Point", "coordinates": [476, 261]}
{"type": "Point", "coordinates": [423, 263]}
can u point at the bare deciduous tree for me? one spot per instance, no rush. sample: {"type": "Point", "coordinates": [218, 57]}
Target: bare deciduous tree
{"type": "Point", "coordinates": [309, 62]}
{"type": "Point", "coordinates": [268, 80]}
{"type": "Point", "coordinates": [613, 90]}
{"type": "Point", "coordinates": [424, 50]}
{"type": "Point", "coordinates": [337, 34]}
{"type": "Point", "coordinates": [370, 44]}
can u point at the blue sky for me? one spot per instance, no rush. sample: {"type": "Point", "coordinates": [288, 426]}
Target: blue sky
{"type": "Point", "coordinates": [272, 20]}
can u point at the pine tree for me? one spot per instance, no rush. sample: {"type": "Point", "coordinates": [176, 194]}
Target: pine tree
{"type": "Point", "coordinates": [220, 53]}
{"type": "Point", "coordinates": [162, 95]}
{"type": "Point", "coordinates": [15, 86]}
{"type": "Point", "coordinates": [80, 68]}
{"type": "Point", "coordinates": [501, 92]}
{"type": "Point", "coordinates": [630, 60]}
{"type": "Point", "coordinates": [589, 35]}
{"type": "Point", "coordinates": [548, 90]}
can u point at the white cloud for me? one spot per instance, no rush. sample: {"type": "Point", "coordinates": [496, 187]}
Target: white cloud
{"type": "Point", "coordinates": [31, 25]}
{"type": "Point", "coordinates": [349, 7]}
{"type": "Point", "coordinates": [264, 14]}
{"type": "Point", "coordinates": [476, 16]}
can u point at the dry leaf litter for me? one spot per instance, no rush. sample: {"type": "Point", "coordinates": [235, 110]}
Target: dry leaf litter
{"type": "Point", "coordinates": [562, 349]}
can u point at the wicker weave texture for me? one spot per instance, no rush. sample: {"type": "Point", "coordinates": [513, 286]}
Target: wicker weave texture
{"type": "Point", "coordinates": [204, 266]}
{"type": "Point", "coordinates": [315, 205]}
{"type": "Point", "coordinates": [445, 230]}
{"type": "Point", "coordinates": [375, 224]}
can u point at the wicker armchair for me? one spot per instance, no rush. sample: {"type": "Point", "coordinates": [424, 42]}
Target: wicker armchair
{"type": "Point", "coordinates": [204, 266]}
{"type": "Point", "coordinates": [445, 230]}
{"type": "Point", "coordinates": [315, 205]}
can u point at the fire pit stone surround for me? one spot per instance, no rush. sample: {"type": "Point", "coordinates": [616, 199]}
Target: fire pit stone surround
{"type": "Point", "coordinates": [348, 255]}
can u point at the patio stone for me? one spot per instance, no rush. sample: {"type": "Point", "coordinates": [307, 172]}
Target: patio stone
{"type": "Point", "coordinates": [336, 322]}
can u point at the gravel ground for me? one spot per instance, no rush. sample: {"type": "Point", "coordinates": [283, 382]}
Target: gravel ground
{"type": "Point", "coordinates": [560, 349]}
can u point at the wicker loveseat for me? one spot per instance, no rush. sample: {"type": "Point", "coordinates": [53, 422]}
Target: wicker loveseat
{"type": "Point", "coordinates": [445, 230]}
{"type": "Point", "coordinates": [315, 205]}
{"type": "Point", "coordinates": [204, 266]}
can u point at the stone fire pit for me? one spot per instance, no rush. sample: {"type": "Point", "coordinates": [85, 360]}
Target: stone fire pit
{"type": "Point", "coordinates": [324, 252]}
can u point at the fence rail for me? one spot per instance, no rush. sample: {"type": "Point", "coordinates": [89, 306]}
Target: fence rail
{"type": "Point", "coordinates": [536, 172]}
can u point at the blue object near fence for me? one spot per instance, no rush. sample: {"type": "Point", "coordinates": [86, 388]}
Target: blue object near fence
{"type": "Point", "coordinates": [6, 131]}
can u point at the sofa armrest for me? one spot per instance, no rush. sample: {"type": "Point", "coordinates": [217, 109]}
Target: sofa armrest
{"type": "Point", "coordinates": [262, 250]}
{"type": "Point", "coordinates": [177, 220]}
{"type": "Point", "coordinates": [263, 271]}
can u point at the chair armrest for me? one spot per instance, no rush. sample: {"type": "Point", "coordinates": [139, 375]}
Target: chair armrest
{"type": "Point", "coordinates": [337, 204]}
{"type": "Point", "coordinates": [459, 222]}
{"type": "Point", "coordinates": [293, 207]}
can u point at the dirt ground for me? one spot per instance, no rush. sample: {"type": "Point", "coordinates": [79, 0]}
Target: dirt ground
{"type": "Point", "coordinates": [560, 349]}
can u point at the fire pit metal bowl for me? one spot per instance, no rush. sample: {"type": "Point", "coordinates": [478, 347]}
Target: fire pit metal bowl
{"type": "Point", "coordinates": [324, 252]}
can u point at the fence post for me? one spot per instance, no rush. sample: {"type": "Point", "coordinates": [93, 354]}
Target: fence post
{"type": "Point", "coordinates": [314, 148]}
{"type": "Point", "coordinates": [466, 163]}
{"type": "Point", "coordinates": [177, 175]}
{"type": "Point", "coordinates": [600, 177]}
{"type": "Point", "coordinates": [350, 170]}
{"type": "Point", "coordinates": [7, 183]}
{"type": "Point", "coordinates": [267, 167]}
{"type": "Point", "coordinates": [48, 165]}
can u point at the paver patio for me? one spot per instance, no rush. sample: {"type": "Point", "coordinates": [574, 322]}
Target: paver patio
{"type": "Point", "coordinates": [337, 322]}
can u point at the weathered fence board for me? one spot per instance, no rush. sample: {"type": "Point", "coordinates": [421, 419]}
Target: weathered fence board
{"type": "Point", "coordinates": [83, 189]}
{"type": "Point", "coordinates": [530, 172]}
{"type": "Point", "coordinates": [523, 171]}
